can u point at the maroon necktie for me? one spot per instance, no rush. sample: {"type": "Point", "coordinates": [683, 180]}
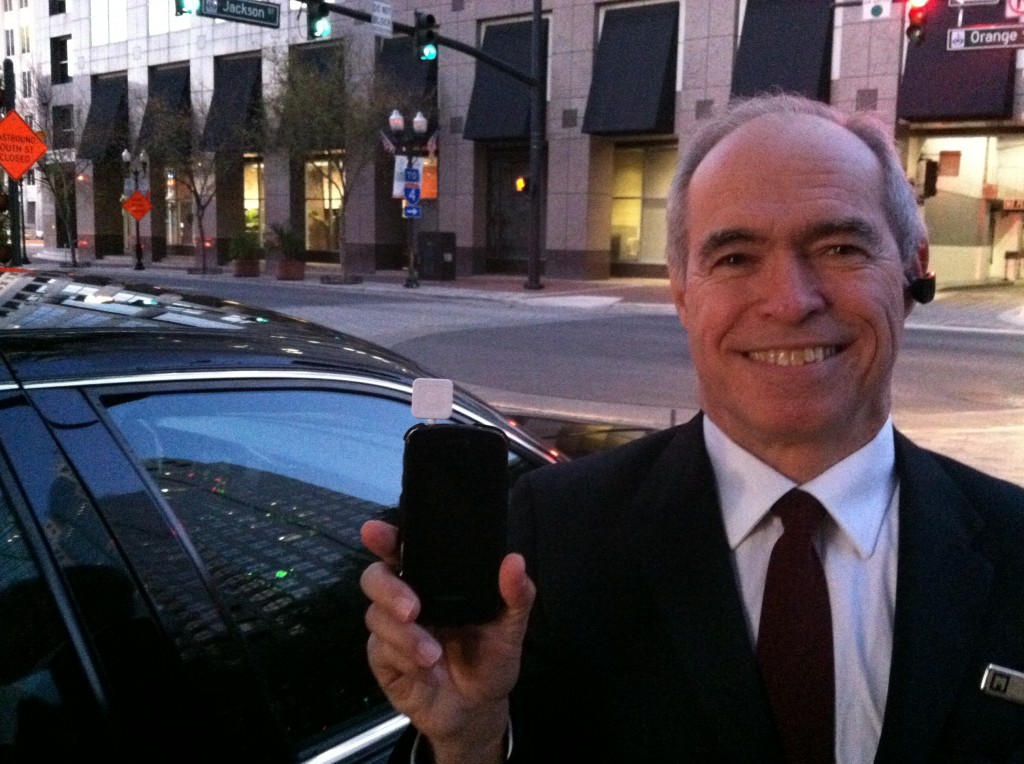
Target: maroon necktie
{"type": "Point", "coordinates": [794, 640]}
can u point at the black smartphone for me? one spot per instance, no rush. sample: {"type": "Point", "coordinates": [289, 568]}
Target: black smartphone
{"type": "Point", "coordinates": [453, 520]}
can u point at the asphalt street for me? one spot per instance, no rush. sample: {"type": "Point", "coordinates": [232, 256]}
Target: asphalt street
{"type": "Point", "coordinates": [496, 312]}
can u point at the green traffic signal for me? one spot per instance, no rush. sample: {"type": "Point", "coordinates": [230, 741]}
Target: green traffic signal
{"type": "Point", "coordinates": [182, 7]}
{"type": "Point", "coordinates": [318, 20]}
{"type": "Point", "coordinates": [425, 36]}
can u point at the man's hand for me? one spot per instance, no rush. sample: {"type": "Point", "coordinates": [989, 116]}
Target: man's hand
{"type": "Point", "coordinates": [453, 683]}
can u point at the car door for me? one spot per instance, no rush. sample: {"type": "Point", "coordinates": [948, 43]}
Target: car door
{"type": "Point", "coordinates": [266, 482]}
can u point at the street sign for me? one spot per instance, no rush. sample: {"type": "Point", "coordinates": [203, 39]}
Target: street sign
{"type": "Point", "coordinates": [412, 211]}
{"type": "Point", "coordinates": [961, 3]}
{"type": "Point", "coordinates": [412, 174]}
{"type": "Point", "coordinates": [876, 9]}
{"type": "Point", "coordinates": [983, 37]}
{"type": "Point", "coordinates": [412, 193]}
{"type": "Point", "coordinates": [1014, 9]}
{"type": "Point", "coordinates": [137, 205]}
{"type": "Point", "coordinates": [20, 147]}
{"type": "Point", "coordinates": [381, 20]}
{"type": "Point", "coordinates": [245, 11]}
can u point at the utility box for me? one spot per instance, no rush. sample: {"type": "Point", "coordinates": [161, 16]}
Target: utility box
{"type": "Point", "coordinates": [435, 251]}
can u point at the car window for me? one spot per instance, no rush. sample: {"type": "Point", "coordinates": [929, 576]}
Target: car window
{"type": "Point", "coordinates": [272, 487]}
{"type": "Point", "coordinates": [40, 676]}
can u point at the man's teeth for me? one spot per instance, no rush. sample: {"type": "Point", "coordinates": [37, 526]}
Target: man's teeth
{"type": "Point", "coordinates": [797, 357]}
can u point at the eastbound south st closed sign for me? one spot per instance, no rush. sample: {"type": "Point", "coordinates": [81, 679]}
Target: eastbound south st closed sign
{"type": "Point", "coordinates": [20, 147]}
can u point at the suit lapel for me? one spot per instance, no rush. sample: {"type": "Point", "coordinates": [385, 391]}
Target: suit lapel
{"type": "Point", "coordinates": [942, 586]}
{"type": "Point", "coordinates": [683, 545]}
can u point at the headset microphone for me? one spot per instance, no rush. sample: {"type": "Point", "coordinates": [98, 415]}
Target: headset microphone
{"type": "Point", "coordinates": [922, 289]}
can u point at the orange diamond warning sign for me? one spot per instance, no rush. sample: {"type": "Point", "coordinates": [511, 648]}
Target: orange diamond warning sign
{"type": "Point", "coordinates": [138, 205]}
{"type": "Point", "coordinates": [20, 147]}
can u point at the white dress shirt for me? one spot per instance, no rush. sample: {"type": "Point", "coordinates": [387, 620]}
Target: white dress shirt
{"type": "Point", "coordinates": [858, 548]}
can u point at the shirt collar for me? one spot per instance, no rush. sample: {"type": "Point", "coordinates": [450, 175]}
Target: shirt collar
{"type": "Point", "coordinates": [856, 492]}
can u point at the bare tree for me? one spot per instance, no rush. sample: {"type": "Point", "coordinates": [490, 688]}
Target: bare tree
{"type": "Point", "coordinates": [174, 141]}
{"type": "Point", "coordinates": [327, 111]}
{"type": "Point", "coordinates": [60, 167]}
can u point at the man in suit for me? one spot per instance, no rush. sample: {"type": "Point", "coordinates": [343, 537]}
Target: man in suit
{"type": "Point", "coordinates": [643, 594]}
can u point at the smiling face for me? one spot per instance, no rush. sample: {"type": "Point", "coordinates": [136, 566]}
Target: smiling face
{"type": "Point", "coordinates": [793, 292]}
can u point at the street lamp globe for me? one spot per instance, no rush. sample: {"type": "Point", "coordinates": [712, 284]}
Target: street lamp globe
{"type": "Point", "coordinates": [396, 121]}
{"type": "Point", "coordinates": [126, 156]}
{"type": "Point", "coordinates": [419, 124]}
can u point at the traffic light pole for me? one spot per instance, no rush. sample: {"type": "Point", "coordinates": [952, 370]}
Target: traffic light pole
{"type": "Point", "coordinates": [13, 186]}
{"type": "Point", "coordinates": [535, 81]}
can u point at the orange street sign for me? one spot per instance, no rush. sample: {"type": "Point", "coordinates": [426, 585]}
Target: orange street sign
{"type": "Point", "coordinates": [138, 205]}
{"type": "Point", "coordinates": [20, 147]}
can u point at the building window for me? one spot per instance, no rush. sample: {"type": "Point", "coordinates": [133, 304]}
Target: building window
{"type": "Point", "coordinates": [30, 214]}
{"type": "Point", "coordinates": [26, 40]}
{"type": "Point", "coordinates": [323, 203]}
{"type": "Point", "coordinates": [30, 177]}
{"type": "Point", "coordinates": [63, 127]}
{"type": "Point", "coordinates": [949, 164]}
{"type": "Point", "coordinates": [23, 3]}
{"type": "Point", "coordinates": [8, 5]}
{"type": "Point", "coordinates": [57, 7]}
{"type": "Point", "coordinates": [253, 195]}
{"type": "Point", "coordinates": [9, 42]}
{"type": "Point", "coordinates": [60, 70]}
{"type": "Point", "coordinates": [639, 193]}
{"type": "Point", "coordinates": [179, 212]}
{"type": "Point", "coordinates": [26, 84]}
{"type": "Point", "coordinates": [109, 21]}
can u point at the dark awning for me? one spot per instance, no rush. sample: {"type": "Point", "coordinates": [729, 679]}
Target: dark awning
{"type": "Point", "coordinates": [234, 116]}
{"type": "Point", "coordinates": [633, 89]}
{"type": "Point", "coordinates": [499, 108]}
{"type": "Point", "coordinates": [415, 79]}
{"type": "Point", "coordinates": [168, 94]}
{"type": "Point", "coordinates": [786, 45]}
{"type": "Point", "coordinates": [105, 134]}
{"type": "Point", "coordinates": [940, 84]}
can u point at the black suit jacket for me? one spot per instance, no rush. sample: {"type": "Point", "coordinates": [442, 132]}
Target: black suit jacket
{"type": "Point", "coordinates": [638, 649]}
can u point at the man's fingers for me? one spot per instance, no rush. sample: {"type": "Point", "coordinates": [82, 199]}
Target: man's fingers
{"type": "Point", "coordinates": [412, 646]}
{"type": "Point", "coordinates": [516, 588]}
{"type": "Point", "coordinates": [382, 539]}
{"type": "Point", "coordinates": [385, 589]}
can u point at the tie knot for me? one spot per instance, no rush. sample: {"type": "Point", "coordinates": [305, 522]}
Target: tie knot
{"type": "Point", "coordinates": [800, 512]}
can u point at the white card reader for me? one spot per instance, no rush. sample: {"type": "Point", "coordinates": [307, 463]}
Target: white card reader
{"type": "Point", "coordinates": [432, 398]}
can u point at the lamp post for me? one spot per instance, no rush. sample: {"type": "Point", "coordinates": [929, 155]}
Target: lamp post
{"type": "Point", "coordinates": [134, 165]}
{"type": "Point", "coordinates": [410, 145]}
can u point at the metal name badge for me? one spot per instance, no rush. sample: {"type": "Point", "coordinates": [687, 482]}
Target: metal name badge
{"type": "Point", "coordinates": [1003, 683]}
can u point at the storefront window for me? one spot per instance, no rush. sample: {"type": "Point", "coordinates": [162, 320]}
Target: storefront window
{"type": "Point", "coordinates": [639, 190]}
{"type": "Point", "coordinates": [323, 202]}
{"type": "Point", "coordinates": [179, 212]}
{"type": "Point", "coordinates": [253, 196]}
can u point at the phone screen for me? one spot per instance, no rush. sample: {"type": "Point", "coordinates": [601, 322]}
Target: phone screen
{"type": "Point", "coordinates": [454, 520]}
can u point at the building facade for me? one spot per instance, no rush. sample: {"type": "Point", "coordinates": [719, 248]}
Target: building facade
{"type": "Point", "coordinates": [626, 83]}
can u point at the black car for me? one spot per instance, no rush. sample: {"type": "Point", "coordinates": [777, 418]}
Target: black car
{"type": "Point", "coordinates": [182, 483]}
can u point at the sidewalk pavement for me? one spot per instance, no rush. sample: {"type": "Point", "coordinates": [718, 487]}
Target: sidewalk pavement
{"type": "Point", "coordinates": [991, 308]}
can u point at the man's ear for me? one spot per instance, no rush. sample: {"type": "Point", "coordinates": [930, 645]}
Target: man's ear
{"type": "Point", "coordinates": [677, 283]}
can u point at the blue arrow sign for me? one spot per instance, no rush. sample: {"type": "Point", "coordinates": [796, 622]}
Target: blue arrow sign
{"type": "Point", "coordinates": [412, 193]}
{"type": "Point", "coordinates": [412, 211]}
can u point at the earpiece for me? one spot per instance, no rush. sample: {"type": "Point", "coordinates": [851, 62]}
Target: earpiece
{"type": "Point", "coordinates": [922, 289]}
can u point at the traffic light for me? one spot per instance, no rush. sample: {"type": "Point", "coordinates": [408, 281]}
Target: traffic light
{"type": "Point", "coordinates": [318, 20]}
{"type": "Point", "coordinates": [522, 184]}
{"type": "Point", "coordinates": [424, 37]}
{"type": "Point", "coordinates": [916, 16]}
{"type": "Point", "coordinates": [182, 7]}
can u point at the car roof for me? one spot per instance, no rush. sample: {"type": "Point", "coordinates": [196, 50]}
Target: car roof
{"type": "Point", "coordinates": [58, 325]}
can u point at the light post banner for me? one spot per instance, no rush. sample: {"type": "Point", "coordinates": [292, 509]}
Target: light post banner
{"type": "Point", "coordinates": [398, 179]}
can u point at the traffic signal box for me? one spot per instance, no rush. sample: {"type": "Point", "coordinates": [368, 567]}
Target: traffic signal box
{"type": "Point", "coordinates": [917, 12]}
{"type": "Point", "coordinates": [424, 36]}
{"type": "Point", "coordinates": [522, 184]}
{"type": "Point", "coordinates": [318, 20]}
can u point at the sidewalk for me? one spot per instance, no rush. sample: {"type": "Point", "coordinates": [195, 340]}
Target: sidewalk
{"type": "Point", "coordinates": [996, 308]}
